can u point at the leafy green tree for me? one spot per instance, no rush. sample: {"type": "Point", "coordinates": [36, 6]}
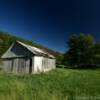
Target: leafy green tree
{"type": "Point", "coordinates": [96, 56]}
{"type": "Point", "coordinates": [80, 52]}
{"type": "Point", "coordinates": [59, 59]}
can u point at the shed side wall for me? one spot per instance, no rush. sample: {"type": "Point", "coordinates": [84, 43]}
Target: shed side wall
{"type": "Point", "coordinates": [48, 64]}
{"type": "Point", "coordinates": [37, 64]}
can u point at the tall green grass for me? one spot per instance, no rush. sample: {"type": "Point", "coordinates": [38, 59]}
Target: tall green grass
{"type": "Point", "coordinates": [60, 84]}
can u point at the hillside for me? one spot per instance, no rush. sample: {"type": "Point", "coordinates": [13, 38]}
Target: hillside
{"type": "Point", "coordinates": [6, 40]}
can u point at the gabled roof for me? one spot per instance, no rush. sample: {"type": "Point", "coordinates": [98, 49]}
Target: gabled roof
{"type": "Point", "coordinates": [35, 50]}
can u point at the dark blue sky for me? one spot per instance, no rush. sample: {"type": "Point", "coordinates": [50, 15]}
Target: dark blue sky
{"type": "Point", "coordinates": [50, 22]}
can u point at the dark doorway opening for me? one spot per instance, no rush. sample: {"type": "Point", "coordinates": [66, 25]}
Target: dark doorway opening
{"type": "Point", "coordinates": [12, 65]}
{"type": "Point", "coordinates": [30, 66]}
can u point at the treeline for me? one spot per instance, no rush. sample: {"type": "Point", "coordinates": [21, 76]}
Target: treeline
{"type": "Point", "coordinates": [6, 40]}
{"type": "Point", "coordinates": [83, 52]}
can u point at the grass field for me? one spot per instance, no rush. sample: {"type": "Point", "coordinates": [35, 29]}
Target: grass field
{"type": "Point", "coordinates": [60, 84]}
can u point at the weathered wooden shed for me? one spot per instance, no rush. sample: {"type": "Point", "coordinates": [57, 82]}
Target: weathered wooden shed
{"type": "Point", "coordinates": [22, 58]}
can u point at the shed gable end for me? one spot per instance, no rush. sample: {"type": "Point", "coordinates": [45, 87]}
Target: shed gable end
{"type": "Point", "coordinates": [16, 50]}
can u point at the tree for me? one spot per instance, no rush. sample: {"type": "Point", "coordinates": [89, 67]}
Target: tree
{"type": "Point", "coordinates": [80, 49]}
{"type": "Point", "coordinates": [96, 51]}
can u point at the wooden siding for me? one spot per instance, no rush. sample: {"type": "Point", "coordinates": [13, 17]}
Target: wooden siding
{"type": "Point", "coordinates": [48, 64]}
{"type": "Point", "coordinates": [17, 65]}
{"type": "Point", "coordinates": [42, 64]}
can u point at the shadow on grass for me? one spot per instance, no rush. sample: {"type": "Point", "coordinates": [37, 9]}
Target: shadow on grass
{"type": "Point", "coordinates": [70, 95]}
{"type": "Point", "coordinates": [81, 67]}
